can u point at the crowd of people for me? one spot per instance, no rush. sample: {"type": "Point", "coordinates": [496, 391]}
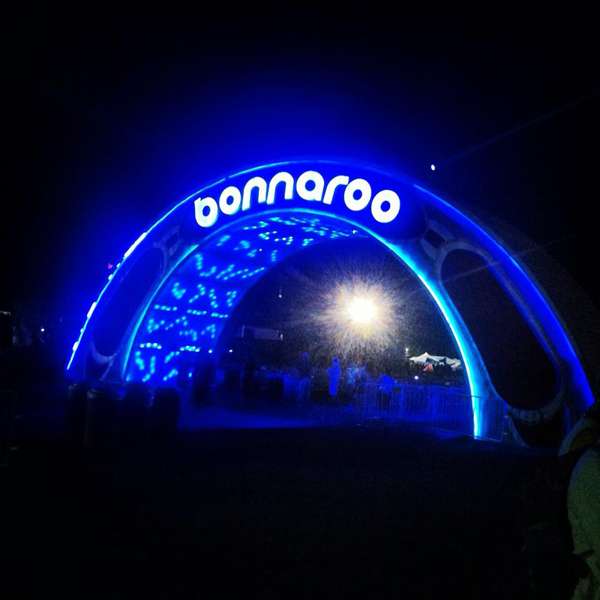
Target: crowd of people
{"type": "Point", "coordinates": [335, 381]}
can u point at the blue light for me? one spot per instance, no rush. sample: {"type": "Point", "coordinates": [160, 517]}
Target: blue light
{"type": "Point", "coordinates": [209, 331]}
{"type": "Point", "coordinates": [172, 211]}
{"type": "Point", "coordinates": [243, 261]}
{"type": "Point", "coordinates": [90, 312]}
{"type": "Point", "coordinates": [171, 356]}
{"type": "Point", "coordinates": [224, 284]}
{"type": "Point", "coordinates": [309, 221]}
{"type": "Point", "coordinates": [146, 378]}
{"type": "Point", "coordinates": [171, 374]}
{"type": "Point", "coordinates": [165, 307]}
{"type": "Point", "coordinates": [139, 361]}
{"type": "Point", "coordinates": [119, 265]}
{"type": "Point", "coordinates": [178, 291]}
{"type": "Point", "coordinates": [260, 168]}
{"type": "Point", "coordinates": [313, 224]}
{"type": "Point", "coordinates": [135, 245]}
{"type": "Point", "coordinates": [539, 305]}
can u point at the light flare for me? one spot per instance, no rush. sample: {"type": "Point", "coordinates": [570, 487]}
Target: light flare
{"type": "Point", "coordinates": [359, 315]}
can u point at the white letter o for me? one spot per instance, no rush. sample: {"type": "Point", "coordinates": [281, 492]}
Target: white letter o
{"type": "Point", "coordinates": [385, 216]}
{"type": "Point", "coordinates": [362, 201]}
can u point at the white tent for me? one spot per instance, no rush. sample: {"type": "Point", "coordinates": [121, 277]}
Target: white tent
{"type": "Point", "coordinates": [426, 358]}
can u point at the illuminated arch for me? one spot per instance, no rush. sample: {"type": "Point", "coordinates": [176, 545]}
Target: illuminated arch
{"type": "Point", "coordinates": [228, 216]}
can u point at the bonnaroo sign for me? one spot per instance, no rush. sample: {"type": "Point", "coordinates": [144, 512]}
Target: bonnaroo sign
{"type": "Point", "coordinates": [214, 245]}
{"type": "Point", "coordinates": [357, 195]}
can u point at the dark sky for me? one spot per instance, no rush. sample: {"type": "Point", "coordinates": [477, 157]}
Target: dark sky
{"type": "Point", "coordinates": [113, 117]}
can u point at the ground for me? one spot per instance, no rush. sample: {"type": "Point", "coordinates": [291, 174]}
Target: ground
{"type": "Point", "coordinates": [369, 510]}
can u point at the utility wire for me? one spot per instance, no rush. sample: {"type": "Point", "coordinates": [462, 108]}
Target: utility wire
{"type": "Point", "coordinates": [518, 128]}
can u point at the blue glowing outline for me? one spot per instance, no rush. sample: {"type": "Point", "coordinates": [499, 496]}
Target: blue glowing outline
{"type": "Point", "coordinates": [205, 240]}
{"type": "Point", "coordinates": [165, 216]}
{"type": "Point", "coordinates": [150, 299]}
{"type": "Point", "coordinates": [560, 337]}
{"type": "Point", "coordinates": [443, 304]}
{"type": "Point", "coordinates": [544, 312]}
{"type": "Point", "coordinates": [126, 255]}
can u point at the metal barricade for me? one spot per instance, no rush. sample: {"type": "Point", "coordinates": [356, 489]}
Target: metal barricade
{"type": "Point", "coordinates": [440, 406]}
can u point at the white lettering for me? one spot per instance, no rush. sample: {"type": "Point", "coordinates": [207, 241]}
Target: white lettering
{"type": "Point", "coordinates": [255, 183]}
{"type": "Point", "coordinates": [316, 190]}
{"type": "Point", "coordinates": [278, 178]}
{"type": "Point", "coordinates": [381, 199]}
{"type": "Point", "coordinates": [230, 200]}
{"type": "Point", "coordinates": [364, 189]}
{"type": "Point", "coordinates": [310, 185]}
{"type": "Point", "coordinates": [334, 183]}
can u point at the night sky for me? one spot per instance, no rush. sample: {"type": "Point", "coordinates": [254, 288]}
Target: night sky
{"type": "Point", "coordinates": [112, 118]}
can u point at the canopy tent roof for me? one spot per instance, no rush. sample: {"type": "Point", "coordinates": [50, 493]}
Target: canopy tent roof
{"type": "Point", "coordinates": [426, 358]}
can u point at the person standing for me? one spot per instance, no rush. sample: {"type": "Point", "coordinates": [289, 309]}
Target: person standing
{"type": "Point", "coordinates": [304, 373]}
{"type": "Point", "coordinates": [580, 455]}
{"type": "Point", "coordinates": [334, 373]}
{"type": "Point", "coordinates": [583, 502]}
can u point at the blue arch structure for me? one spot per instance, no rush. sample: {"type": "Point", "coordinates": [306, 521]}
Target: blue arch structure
{"type": "Point", "coordinates": [216, 243]}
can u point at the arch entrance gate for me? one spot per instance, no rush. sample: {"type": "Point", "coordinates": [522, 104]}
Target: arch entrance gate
{"type": "Point", "coordinates": [171, 294]}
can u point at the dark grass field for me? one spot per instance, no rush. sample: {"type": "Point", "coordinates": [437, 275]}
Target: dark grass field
{"type": "Point", "coordinates": [362, 511]}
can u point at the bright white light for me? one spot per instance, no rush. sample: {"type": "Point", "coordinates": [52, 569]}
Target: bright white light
{"type": "Point", "coordinates": [359, 315]}
{"type": "Point", "coordinates": [432, 167]}
{"type": "Point", "coordinates": [362, 310]}
{"type": "Point", "coordinates": [416, 378]}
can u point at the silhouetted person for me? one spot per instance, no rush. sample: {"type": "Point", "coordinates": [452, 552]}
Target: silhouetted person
{"type": "Point", "coordinates": [134, 409]}
{"type": "Point", "coordinates": [334, 375]}
{"type": "Point", "coordinates": [580, 461]}
{"type": "Point", "coordinates": [385, 387]}
{"type": "Point", "coordinates": [204, 376]}
{"type": "Point", "coordinates": [304, 374]}
{"type": "Point", "coordinates": [249, 385]}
